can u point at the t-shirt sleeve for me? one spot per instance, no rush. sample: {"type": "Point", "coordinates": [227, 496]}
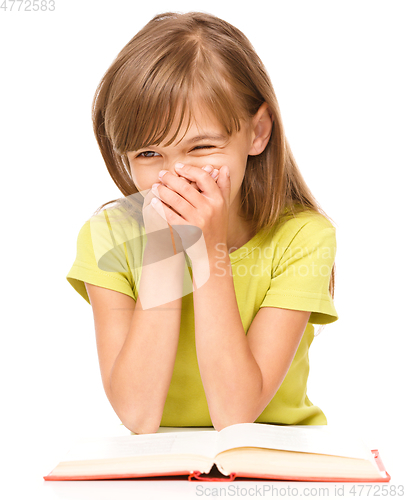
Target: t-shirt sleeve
{"type": "Point", "coordinates": [301, 276]}
{"type": "Point", "coordinates": [101, 260]}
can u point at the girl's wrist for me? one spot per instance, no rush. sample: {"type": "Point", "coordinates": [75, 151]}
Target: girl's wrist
{"type": "Point", "coordinates": [215, 263]}
{"type": "Point", "coordinates": [162, 245]}
{"type": "Point", "coordinates": [163, 281]}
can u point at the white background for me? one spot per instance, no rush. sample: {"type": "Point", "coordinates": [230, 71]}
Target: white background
{"type": "Point", "coordinates": [338, 72]}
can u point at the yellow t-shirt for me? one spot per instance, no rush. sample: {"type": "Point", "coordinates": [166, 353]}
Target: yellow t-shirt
{"type": "Point", "coordinates": [287, 267]}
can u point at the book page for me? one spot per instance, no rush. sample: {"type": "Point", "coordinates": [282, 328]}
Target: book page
{"type": "Point", "coordinates": [173, 443]}
{"type": "Point", "coordinates": [322, 439]}
{"type": "Point", "coordinates": [185, 429]}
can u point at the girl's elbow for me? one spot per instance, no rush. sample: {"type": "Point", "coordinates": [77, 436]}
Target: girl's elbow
{"type": "Point", "coordinates": [138, 426]}
{"type": "Point", "coordinates": [139, 422]}
{"type": "Point", "coordinates": [143, 430]}
{"type": "Point", "coordinates": [220, 424]}
{"type": "Point", "coordinates": [136, 418]}
{"type": "Point", "coordinates": [221, 421]}
{"type": "Point", "coordinates": [218, 427]}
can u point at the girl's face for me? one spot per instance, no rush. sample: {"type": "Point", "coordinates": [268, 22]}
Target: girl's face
{"type": "Point", "coordinates": [205, 143]}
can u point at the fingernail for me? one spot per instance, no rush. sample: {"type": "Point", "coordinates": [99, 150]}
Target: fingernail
{"type": "Point", "coordinates": [162, 172]}
{"type": "Point", "coordinates": [155, 185]}
{"type": "Point", "coordinates": [179, 165]}
{"type": "Point", "coordinates": [214, 173]}
{"type": "Point", "coordinates": [208, 168]}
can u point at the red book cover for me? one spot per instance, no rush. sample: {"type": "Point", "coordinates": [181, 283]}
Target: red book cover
{"type": "Point", "coordinates": [198, 476]}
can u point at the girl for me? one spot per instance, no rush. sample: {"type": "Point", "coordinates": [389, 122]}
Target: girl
{"type": "Point", "coordinates": [186, 115]}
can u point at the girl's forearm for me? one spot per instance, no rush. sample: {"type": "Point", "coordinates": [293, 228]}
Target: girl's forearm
{"type": "Point", "coordinates": [231, 377]}
{"type": "Point", "coordinates": [142, 372]}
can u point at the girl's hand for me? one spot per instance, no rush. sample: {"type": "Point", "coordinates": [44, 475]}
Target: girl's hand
{"type": "Point", "coordinates": [214, 172]}
{"type": "Point", "coordinates": [206, 210]}
{"type": "Point", "coordinates": [162, 239]}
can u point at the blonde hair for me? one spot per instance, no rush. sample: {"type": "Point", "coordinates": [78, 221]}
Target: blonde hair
{"type": "Point", "coordinates": [173, 60]}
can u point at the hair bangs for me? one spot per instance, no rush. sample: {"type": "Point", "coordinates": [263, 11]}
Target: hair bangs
{"type": "Point", "coordinates": [145, 115]}
{"type": "Point", "coordinates": [214, 94]}
{"type": "Point", "coordinates": [148, 106]}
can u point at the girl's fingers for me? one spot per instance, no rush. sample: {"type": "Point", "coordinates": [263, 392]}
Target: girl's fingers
{"type": "Point", "coordinates": [173, 192]}
{"type": "Point", "coordinates": [214, 174]}
{"type": "Point", "coordinates": [200, 176]}
{"type": "Point", "coordinates": [211, 170]}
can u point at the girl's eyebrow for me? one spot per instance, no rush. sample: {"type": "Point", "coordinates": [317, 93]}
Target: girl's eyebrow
{"type": "Point", "coordinates": [203, 137]}
{"type": "Point", "coordinates": [209, 137]}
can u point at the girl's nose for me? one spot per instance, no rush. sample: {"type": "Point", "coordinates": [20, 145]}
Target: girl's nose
{"type": "Point", "coordinates": [214, 172]}
{"type": "Point", "coordinates": [171, 168]}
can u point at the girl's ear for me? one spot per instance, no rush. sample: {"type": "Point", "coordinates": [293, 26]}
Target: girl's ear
{"type": "Point", "coordinates": [262, 123]}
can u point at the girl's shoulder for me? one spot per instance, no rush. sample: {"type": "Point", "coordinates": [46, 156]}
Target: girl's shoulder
{"type": "Point", "coordinates": [110, 228]}
{"type": "Point", "coordinates": [316, 219]}
{"type": "Point", "coordinates": [303, 224]}
{"type": "Point", "coordinates": [121, 217]}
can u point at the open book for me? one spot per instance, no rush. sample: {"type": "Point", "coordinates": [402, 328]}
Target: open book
{"type": "Point", "coordinates": [301, 453]}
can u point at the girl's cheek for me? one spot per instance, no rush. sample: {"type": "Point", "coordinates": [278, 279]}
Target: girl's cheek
{"type": "Point", "coordinates": [144, 180]}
